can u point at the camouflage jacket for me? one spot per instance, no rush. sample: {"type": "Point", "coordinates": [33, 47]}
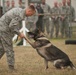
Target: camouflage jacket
{"type": "Point", "coordinates": [47, 10]}
{"type": "Point", "coordinates": [64, 12]}
{"type": "Point", "coordinates": [71, 13]}
{"type": "Point", "coordinates": [9, 23]}
{"type": "Point", "coordinates": [7, 8]}
{"type": "Point", "coordinates": [55, 13]}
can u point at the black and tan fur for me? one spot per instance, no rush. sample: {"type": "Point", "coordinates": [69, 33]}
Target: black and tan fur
{"type": "Point", "coordinates": [50, 52]}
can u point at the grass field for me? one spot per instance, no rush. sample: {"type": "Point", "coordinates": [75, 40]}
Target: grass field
{"type": "Point", "coordinates": [28, 62]}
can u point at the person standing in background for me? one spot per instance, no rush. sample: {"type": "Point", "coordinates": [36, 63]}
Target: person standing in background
{"type": "Point", "coordinates": [71, 16]}
{"type": "Point", "coordinates": [12, 4]}
{"type": "Point", "coordinates": [60, 8]}
{"type": "Point", "coordinates": [7, 7]}
{"type": "Point", "coordinates": [64, 20]}
{"type": "Point", "coordinates": [39, 24]}
{"type": "Point", "coordinates": [21, 5]}
{"type": "Point", "coordinates": [55, 20]}
{"type": "Point", "coordinates": [47, 10]}
{"type": "Point", "coordinates": [60, 5]}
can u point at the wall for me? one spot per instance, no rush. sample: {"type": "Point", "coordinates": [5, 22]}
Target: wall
{"type": "Point", "coordinates": [74, 5]}
{"type": "Point", "coordinates": [50, 2]}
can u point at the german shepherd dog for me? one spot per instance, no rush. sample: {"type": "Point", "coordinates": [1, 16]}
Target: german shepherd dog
{"type": "Point", "coordinates": [49, 52]}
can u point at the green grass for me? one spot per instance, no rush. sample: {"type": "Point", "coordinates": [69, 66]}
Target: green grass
{"type": "Point", "coordinates": [28, 62]}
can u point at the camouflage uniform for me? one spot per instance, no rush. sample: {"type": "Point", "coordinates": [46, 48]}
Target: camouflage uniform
{"type": "Point", "coordinates": [21, 6]}
{"type": "Point", "coordinates": [71, 17]}
{"type": "Point", "coordinates": [7, 8]}
{"type": "Point", "coordinates": [64, 22]}
{"type": "Point", "coordinates": [8, 27]}
{"type": "Point", "coordinates": [46, 22]}
{"type": "Point", "coordinates": [55, 21]}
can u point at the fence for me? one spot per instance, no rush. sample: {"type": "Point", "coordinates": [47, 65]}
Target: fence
{"type": "Point", "coordinates": [24, 30]}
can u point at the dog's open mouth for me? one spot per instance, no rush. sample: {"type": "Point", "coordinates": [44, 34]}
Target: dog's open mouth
{"type": "Point", "coordinates": [31, 35]}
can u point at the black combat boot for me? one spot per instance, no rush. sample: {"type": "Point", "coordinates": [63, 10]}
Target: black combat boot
{"type": "Point", "coordinates": [11, 68]}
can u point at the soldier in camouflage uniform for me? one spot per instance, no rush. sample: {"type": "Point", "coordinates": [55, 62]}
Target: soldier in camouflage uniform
{"type": "Point", "coordinates": [7, 8]}
{"type": "Point", "coordinates": [47, 10]}
{"type": "Point", "coordinates": [55, 19]}
{"type": "Point", "coordinates": [60, 23]}
{"type": "Point", "coordinates": [9, 25]}
{"type": "Point", "coordinates": [64, 20]}
{"type": "Point", "coordinates": [21, 5]}
{"type": "Point", "coordinates": [12, 4]}
{"type": "Point", "coordinates": [39, 23]}
{"type": "Point", "coordinates": [71, 16]}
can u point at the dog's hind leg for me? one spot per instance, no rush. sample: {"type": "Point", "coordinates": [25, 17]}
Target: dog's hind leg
{"type": "Point", "coordinates": [57, 64]}
{"type": "Point", "coordinates": [46, 64]}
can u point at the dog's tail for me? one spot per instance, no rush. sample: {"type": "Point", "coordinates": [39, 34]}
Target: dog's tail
{"type": "Point", "coordinates": [72, 66]}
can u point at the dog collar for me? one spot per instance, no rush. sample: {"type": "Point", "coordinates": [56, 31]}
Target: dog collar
{"type": "Point", "coordinates": [42, 38]}
{"type": "Point", "coordinates": [48, 45]}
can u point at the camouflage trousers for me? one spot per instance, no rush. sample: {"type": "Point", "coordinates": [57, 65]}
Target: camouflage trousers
{"type": "Point", "coordinates": [64, 28]}
{"type": "Point", "coordinates": [46, 24]}
{"type": "Point", "coordinates": [8, 49]}
{"type": "Point", "coordinates": [55, 24]}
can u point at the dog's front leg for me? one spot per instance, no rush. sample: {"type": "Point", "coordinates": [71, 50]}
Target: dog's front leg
{"type": "Point", "coordinates": [46, 64]}
{"type": "Point", "coordinates": [32, 44]}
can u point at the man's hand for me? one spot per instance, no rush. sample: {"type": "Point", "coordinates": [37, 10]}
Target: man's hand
{"type": "Point", "coordinates": [21, 35]}
{"type": "Point", "coordinates": [62, 18]}
{"type": "Point", "coordinates": [53, 17]}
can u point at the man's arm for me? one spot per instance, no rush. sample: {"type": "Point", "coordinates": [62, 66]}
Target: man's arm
{"type": "Point", "coordinates": [15, 26]}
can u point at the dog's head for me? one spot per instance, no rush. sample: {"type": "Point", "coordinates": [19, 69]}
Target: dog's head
{"type": "Point", "coordinates": [35, 34]}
